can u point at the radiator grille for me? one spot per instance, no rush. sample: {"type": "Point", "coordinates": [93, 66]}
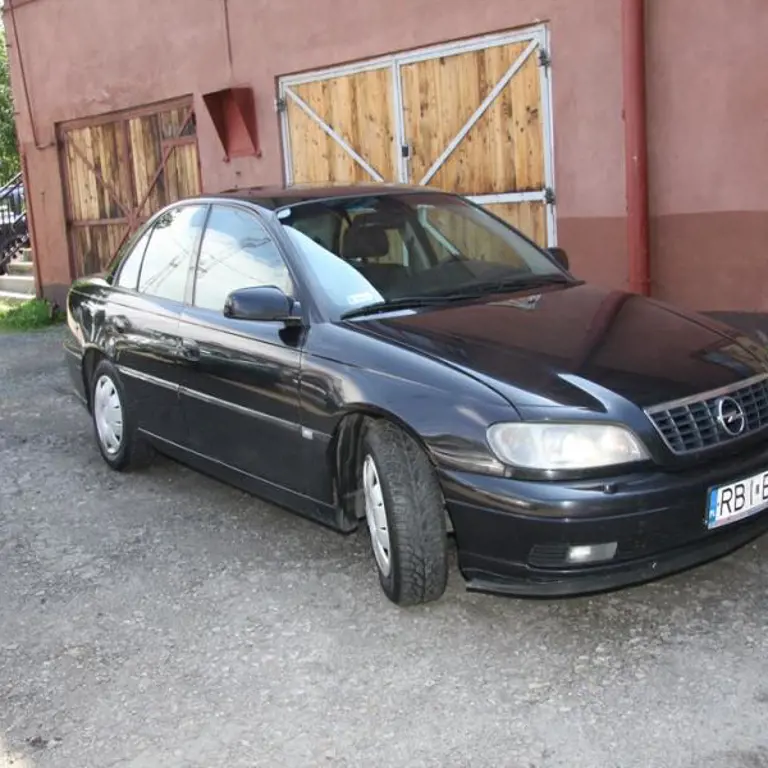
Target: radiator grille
{"type": "Point", "coordinates": [696, 423]}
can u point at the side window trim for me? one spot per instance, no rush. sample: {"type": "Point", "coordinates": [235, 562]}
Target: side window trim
{"type": "Point", "coordinates": [192, 277]}
{"type": "Point", "coordinates": [189, 288]}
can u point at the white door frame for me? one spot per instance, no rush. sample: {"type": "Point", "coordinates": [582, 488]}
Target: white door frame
{"type": "Point", "coordinates": [537, 38]}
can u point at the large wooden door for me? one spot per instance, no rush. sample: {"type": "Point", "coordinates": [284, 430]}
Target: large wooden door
{"type": "Point", "coordinates": [473, 125]}
{"type": "Point", "coordinates": [120, 169]}
{"type": "Point", "coordinates": [342, 129]}
{"type": "Point", "coordinates": [471, 117]}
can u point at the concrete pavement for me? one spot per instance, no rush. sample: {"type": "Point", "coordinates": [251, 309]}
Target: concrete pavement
{"type": "Point", "coordinates": [162, 619]}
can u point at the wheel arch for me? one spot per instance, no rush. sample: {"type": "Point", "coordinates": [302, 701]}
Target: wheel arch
{"type": "Point", "coordinates": [344, 458]}
{"type": "Point", "coordinates": [92, 356]}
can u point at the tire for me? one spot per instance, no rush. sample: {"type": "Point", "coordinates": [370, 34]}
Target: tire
{"type": "Point", "coordinates": [416, 569]}
{"type": "Point", "coordinates": [121, 447]}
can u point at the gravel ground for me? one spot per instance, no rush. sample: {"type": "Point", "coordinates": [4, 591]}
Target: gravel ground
{"type": "Point", "coordinates": [163, 619]}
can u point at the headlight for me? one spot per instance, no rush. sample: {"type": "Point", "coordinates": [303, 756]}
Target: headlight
{"type": "Point", "coordinates": [547, 446]}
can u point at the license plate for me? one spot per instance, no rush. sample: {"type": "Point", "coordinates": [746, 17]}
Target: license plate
{"type": "Point", "coordinates": [729, 503]}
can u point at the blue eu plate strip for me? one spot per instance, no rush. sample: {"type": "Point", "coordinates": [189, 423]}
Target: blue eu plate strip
{"type": "Point", "coordinates": [713, 506]}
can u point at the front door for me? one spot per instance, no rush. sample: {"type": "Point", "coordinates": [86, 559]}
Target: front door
{"type": "Point", "coordinates": [240, 388]}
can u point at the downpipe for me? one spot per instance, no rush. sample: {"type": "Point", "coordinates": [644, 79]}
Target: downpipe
{"type": "Point", "coordinates": [636, 145]}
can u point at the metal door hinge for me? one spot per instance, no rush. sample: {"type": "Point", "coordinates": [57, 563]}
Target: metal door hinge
{"type": "Point", "coordinates": [544, 58]}
{"type": "Point", "coordinates": [281, 104]}
{"type": "Point", "coordinates": [549, 196]}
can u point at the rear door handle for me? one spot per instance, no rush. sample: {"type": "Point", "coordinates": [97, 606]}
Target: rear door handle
{"type": "Point", "coordinates": [190, 350]}
{"type": "Point", "coordinates": [121, 324]}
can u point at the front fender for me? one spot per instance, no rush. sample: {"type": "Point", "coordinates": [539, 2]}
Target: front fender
{"type": "Point", "coordinates": [446, 409]}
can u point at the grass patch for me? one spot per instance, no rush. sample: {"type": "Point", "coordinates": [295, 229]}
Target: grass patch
{"type": "Point", "coordinates": [28, 316]}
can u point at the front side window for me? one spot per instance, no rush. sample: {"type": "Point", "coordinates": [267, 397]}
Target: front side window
{"type": "Point", "coordinates": [386, 248]}
{"type": "Point", "coordinates": [236, 252]}
{"type": "Point", "coordinates": [170, 252]}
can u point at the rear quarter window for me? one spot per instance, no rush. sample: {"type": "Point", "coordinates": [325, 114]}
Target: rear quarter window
{"type": "Point", "coordinates": [128, 274]}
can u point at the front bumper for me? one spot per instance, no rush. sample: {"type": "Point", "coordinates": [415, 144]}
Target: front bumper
{"type": "Point", "coordinates": [513, 536]}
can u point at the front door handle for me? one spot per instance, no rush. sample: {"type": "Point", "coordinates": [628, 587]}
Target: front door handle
{"type": "Point", "coordinates": [121, 324]}
{"type": "Point", "coordinates": [190, 350]}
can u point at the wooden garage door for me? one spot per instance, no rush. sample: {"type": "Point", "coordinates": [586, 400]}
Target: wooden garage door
{"type": "Point", "coordinates": [342, 129]}
{"type": "Point", "coordinates": [118, 171]}
{"type": "Point", "coordinates": [472, 118]}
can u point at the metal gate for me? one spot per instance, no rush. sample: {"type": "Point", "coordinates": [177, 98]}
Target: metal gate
{"type": "Point", "coordinates": [472, 117]}
{"type": "Point", "coordinates": [121, 168]}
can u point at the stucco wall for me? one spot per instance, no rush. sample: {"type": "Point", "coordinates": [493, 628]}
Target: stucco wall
{"type": "Point", "coordinates": [708, 102]}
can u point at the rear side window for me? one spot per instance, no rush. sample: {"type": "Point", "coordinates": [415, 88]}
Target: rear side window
{"type": "Point", "coordinates": [170, 252]}
{"type": "Point", "coordinates": [128, 277]}
{"type": "Point", "coordinates": [236, 252]}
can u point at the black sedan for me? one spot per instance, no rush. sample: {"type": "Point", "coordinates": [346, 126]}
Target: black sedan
{"type": "Point", "coordinates": [402, 357]}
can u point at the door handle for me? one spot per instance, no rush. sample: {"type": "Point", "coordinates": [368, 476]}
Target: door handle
{"type": "Point", "coordinates": [121, 324]}
{"type": "Point", "coordinates": [190, 350]}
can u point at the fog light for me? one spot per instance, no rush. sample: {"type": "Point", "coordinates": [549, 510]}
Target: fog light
{"type": "Point", "coordinates": [592, 553]}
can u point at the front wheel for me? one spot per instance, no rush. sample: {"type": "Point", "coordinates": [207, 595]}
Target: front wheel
{"type": "Point", "coordinates": [405, 513]}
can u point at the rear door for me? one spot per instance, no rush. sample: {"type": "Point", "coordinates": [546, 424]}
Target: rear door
{"type": "Point", "coordinates": [143, 313]}
{"type": "Point", "coordinates": [240, 390]}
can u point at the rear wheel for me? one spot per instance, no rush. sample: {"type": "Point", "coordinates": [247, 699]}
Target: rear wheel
{"type": "Point", "coordinates": [405, 513]}
{"type": "Point", "coordinates": [119, 442]}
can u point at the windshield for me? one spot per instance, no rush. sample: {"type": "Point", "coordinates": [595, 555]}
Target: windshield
{"type": "Point", "coordinates": [400, 248]}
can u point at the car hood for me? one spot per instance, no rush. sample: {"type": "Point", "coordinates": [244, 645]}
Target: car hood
{"type": "Point", "coordinates": [572, 346]}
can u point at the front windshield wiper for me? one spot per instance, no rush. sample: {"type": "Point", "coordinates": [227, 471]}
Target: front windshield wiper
{"type": "Point", "coordinates": [404, 302]}
{"type": "Point", "coordinates": [482, 287]}
{"type": "Point", "coordinates": [461, 293]}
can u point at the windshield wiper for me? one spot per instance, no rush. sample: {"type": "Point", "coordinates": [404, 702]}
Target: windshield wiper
{"type": "Point", "coordinates": [404, 302]}
{"type": "Point", "coordinates": [458, 294]}
{"type": "Point", "coordinates": [483, 287]}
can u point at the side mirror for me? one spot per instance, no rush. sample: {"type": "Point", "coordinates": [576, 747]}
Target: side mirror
{"type": "Point", "coordinates": [560, 256]}
{"type": "Point", "coordinates": [265, 303]}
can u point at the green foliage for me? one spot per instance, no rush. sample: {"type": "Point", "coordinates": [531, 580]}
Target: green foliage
{"type": "Point", "coordinates": [9, 154]}
{"type": "Point", "coordinates": [28, 316]}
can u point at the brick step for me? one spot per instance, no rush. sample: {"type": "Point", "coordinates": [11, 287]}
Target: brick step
{"type": "Point", "coordinates": [21, 268]}
{"type": "Point", "coordinates": [21, 284]}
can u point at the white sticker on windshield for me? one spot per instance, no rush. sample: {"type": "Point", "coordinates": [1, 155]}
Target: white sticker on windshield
{"type": "Point", "coordinates": [360, 298]}
{"type": "Point", "coordinates": [529, 302]}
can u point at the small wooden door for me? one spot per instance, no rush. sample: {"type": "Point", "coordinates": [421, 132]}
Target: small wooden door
{"type": "Point", "coordinates": [471, 117]}
{"type": "Point", "coordinates": [120, 169]}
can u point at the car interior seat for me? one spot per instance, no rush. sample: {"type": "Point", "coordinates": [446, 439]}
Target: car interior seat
{"type": "Point", "coordinates": [365, 244]}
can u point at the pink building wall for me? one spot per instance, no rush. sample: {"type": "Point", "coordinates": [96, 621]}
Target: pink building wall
{"type": "Point", "coordinates": [708, 106]}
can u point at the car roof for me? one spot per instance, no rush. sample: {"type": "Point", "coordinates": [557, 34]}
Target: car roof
{"type": "Point", "coordinates": [277, 197]}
